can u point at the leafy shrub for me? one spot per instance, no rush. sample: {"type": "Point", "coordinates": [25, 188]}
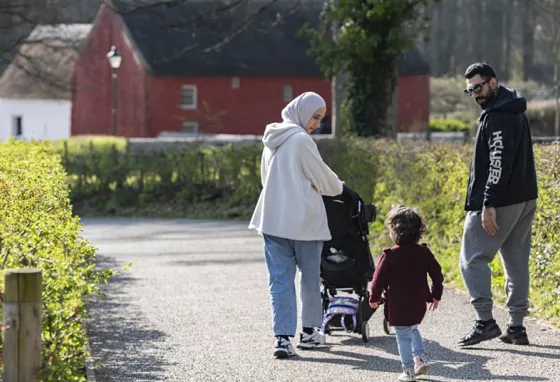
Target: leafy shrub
{"type": "Point", "coordinates": [224, 182]}
{"type": "Point", "coordinates": [37, 229]}
{"type": "Point", "coordinates": [541, 115]}
{"type": "Point", "coordinates": [545, 260]}
{"type": "Point", "coordinates": [448, 125]}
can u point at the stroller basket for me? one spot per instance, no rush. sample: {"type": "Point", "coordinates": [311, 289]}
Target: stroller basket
{"type": "Point", "coordinates": [342, 307]}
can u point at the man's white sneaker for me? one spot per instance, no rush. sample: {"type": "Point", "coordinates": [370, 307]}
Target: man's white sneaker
{"type": "Point", "coordinates": [310, 341]}
{"type": "Point", "coordinates": [283, 348]}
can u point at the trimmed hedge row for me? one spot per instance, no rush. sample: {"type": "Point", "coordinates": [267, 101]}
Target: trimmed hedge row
{"type": "Point", "coordinates": [215, 182]}
{"type": "Point", "coordinates": [224, 182]}
{"type": "Point", "coordinates": [448, 125]}
{"type": "Point", "coordinates": [37, 230]}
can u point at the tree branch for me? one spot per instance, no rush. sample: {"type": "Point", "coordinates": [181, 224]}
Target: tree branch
{"type": "Point", "coordinates": [548, 6]}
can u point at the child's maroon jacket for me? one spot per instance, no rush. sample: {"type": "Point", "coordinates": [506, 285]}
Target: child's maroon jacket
{"type": "Point", "coordinates": [402, 272]}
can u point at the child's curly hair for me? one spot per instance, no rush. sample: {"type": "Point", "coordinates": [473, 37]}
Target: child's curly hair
{"type": "Point", "coordinates": [406, 224]}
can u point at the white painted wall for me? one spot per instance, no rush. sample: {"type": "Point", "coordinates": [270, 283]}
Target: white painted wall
{"type": "Point", "coordinates": [41, 119]}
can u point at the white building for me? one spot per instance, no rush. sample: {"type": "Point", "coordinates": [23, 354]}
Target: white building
{"type": "Point", "coordinates": [35, 89]}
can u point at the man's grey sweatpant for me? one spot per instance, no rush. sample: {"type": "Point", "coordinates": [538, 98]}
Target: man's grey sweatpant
{"type": "Point", "coordinates": [513, 240]}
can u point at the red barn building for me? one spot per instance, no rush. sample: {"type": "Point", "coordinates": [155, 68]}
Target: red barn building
{"type": "Point", "coordinates": [177, 75]}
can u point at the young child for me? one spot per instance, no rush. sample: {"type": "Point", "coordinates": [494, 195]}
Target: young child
{"type": "Point", "coordinates": [401, 273]}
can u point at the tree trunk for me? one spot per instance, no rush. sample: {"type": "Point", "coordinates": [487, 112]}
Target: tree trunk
{"type": "Point", "coordinates": [469, 55]}
{"type": "Point", "coordinates": [556, 26]}
{"type": "Point", "coordinates": [528, 38]}
{"type": "Point", "coordinates": [435, 22]}
{"type": "Point", "coordinates": [393, 109]}
{"type": "Point", "coordinates": [508, 20]}
{"type": "Point", "coordinates": [338, 97]}
{"type": "Point", "coordinates": [493, 25]}
{"type": "Point", "coordinates": [480, 35]}
{"type": "Point", "coordinates": [451, 61]}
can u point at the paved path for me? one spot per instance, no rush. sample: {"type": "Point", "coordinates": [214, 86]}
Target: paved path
{"type": "Point", "coordinates": [195, 307]}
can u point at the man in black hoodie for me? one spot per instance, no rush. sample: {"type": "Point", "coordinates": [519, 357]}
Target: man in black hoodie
{"type": "Point", "coordinates": [500, 205]}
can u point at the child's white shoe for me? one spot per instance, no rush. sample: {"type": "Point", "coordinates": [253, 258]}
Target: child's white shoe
{"type": "Point", "coordinates": [407, 376]}
{"type": "Point", "coordinates": [422, 365]}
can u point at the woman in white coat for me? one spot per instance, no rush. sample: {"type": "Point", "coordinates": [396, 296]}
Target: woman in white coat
{"type": "Point", "coordinates": [291, 216]}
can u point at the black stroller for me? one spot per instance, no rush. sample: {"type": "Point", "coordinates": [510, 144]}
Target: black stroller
{"type": "Point", "coordinates": [347, 264]}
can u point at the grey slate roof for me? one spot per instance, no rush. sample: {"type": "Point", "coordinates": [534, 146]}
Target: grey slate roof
{"type": "Point", "coordinates": [43, 66]}
{"type": "Point", "coordinates": [173, 38]}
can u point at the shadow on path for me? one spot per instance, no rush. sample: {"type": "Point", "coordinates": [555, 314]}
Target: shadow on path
{"type": "Point", "coordinates": [123, 346]}
{"type": "Point", "coordinates": [448, 363]}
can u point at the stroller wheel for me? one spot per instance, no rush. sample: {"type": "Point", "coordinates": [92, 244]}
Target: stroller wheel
{"type": "Point", "coordinates": [386, 326]}
{"type": "Point", "coordinates": [365, 331]}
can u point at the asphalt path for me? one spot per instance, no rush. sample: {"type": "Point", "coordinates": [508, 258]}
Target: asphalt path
{"type": "Point", "coordinates": [195, 307]}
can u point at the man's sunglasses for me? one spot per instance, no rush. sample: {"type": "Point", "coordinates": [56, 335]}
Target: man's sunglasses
{"type": "Point", "coordinates": [476, 89]}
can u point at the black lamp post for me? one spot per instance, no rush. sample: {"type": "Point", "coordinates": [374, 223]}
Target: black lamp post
{"type": "Point", "coordinates": [114, 59]}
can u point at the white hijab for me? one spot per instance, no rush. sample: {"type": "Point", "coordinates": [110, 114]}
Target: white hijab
{"type": "Point", "coordinates": [300, 110]}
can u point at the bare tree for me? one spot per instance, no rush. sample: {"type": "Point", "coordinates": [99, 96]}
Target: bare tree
{"type": "Point", "coordinates": [214, 14]}
{"type": "Point", "coordinates": [551, 9]}
{"type": "Point", "coordinates": [18, 18]}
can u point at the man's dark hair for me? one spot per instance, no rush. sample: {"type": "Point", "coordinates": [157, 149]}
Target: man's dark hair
{"type": "Point", "coordinates": [484, 70]}
{"type": "Point", "coordinates": [407, 224]}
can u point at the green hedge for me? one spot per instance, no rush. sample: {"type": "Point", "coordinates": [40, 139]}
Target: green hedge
{"type": "Point", "coordinates": [107, 179]}
{"type": "Point", "coordinates": [37, 229]}
{"type": "Point", "coordinates": [448, 125]}
{"type": "Point", "coordinates": [224, 182]}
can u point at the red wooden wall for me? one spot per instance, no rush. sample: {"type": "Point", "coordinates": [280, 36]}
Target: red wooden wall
{"type": "Point", "coordinates": [148, 105]}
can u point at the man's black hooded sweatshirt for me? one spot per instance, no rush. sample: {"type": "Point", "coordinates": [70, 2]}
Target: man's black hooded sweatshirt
{"type": "Point", "coordinates": [503, 167]}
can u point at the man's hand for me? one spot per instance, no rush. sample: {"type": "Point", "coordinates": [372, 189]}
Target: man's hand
{"type": "Point", "coordinates": [434, 304]}
{"type": "Point", "coordinates": [489, 220]}
{"type": "Point", "coordinates": [374, 305]}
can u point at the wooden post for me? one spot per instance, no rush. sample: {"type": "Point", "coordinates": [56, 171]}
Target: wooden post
{"type": "Point", "coordinates": [22, 325]}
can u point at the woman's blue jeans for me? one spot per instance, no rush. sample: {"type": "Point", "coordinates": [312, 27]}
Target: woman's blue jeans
{"type": "Point", "coordinates": [410, 344]}
{"type": "Point", "coordinates": [282, 257]}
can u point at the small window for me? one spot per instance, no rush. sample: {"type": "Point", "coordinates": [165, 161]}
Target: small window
{"type": "Point", "coordinates": [17, 125]}
{"type": "Point", "coordinates": [287, 93]}
{"type": "Point", "coordinates": [190, 128]}
{"type": "Point", "coordinates": [235, 82]}
{"type": "Point", "coordinates": [188, 96]}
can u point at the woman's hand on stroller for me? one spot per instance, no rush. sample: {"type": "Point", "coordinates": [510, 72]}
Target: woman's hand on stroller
{"type": "Point", "coordinates": [374, 305]}
{"type": "Point", "coordinates": [434, 304]}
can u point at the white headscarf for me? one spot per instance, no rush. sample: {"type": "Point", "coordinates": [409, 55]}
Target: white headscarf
{"type": "Point", "coordinates": [300, 110]}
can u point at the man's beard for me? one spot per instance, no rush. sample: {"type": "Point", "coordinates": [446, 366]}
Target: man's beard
{"type": "Point", "coordinates": [483, 101]}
